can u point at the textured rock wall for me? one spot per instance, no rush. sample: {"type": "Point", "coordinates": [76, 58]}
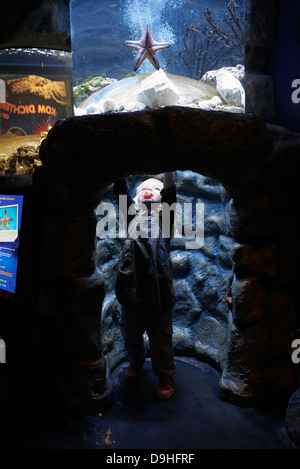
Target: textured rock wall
{"type": "Point", "coordinates": [258, 166]}
{"type": "Point", "coordinates": [201, 276]}
{"type": "Point", "coordinates": [260, 33]}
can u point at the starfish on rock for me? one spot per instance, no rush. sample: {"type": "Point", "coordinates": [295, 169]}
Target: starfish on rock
{"type": "Point", "coordinates": [146, 48]}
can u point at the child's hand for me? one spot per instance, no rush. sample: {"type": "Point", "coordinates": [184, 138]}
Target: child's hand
{"type": "Point", "coordinates": [169, 179]}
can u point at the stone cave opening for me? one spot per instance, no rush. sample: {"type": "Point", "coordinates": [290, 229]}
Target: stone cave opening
{"type": "Point", "coordinates": [202, 275]}
{"type": "Point", "coordinates": [234, 161]}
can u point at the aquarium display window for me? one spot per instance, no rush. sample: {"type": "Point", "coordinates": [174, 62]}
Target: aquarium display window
{"type": "Point", "coordinates": [129, 55]}
{"type": "Point", "coordinates": [35, 89]}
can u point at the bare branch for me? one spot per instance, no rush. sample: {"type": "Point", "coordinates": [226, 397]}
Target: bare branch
{"type": "Point", "coordinates": [205, 47]}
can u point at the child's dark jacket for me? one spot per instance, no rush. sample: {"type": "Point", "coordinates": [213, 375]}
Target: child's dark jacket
{"type": "Point", "coordinates": [144, 277]}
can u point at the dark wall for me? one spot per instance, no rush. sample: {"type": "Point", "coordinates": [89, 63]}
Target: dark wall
{"type": "Point", "coordinates": [285, 65]}
{"type": "Point", "coordinates": [38, 23]}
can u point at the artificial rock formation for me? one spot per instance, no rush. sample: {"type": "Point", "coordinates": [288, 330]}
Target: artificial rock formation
{"type": "Point", "coordinates": [257, 165]}
{"type": "Point", "coordinates": [230, 88]}
{"type": "Point", "coordinates": [19, 153]}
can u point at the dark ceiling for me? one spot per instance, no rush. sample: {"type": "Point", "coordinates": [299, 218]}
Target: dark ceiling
{"type": "Point", "coordinates": [38, 23]}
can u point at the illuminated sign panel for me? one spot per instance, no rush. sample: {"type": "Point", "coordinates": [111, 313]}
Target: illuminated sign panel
{"type": "Point", "coordinates": [10, 224]}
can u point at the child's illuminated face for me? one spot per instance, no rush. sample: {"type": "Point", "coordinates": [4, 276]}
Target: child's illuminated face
{"type": "Point", "coordinates": [149, 191]}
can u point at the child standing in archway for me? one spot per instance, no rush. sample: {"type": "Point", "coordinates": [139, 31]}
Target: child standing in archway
{"type": "Point", "coordinates": [144, 285]}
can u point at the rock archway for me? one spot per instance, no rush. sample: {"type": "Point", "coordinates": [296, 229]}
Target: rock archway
{"type": "Point", "coordinates": [255, 162]}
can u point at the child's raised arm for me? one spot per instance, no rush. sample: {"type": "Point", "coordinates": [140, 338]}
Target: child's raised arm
{"type": "Point", "coordinates": [169, 179]}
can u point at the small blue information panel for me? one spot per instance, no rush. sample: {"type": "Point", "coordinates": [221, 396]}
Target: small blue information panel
{"type": "Point", "coordinates": [10, 225]}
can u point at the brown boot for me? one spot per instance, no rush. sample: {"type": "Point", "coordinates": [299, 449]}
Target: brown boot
{"type": "Point", "coordinates": [133, 372]}
{"type": "Point", "coordinates": [165, 388]}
